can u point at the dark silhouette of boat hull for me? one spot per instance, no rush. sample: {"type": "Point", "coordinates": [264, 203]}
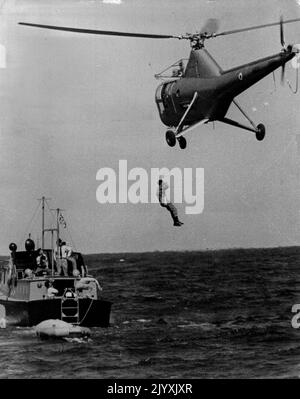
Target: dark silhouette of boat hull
{"type": "Point", "coordinates": [92, 313]}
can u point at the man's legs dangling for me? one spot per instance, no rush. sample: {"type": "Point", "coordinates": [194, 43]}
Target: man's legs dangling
{"type": "Point", "coordinates": [174, 214]}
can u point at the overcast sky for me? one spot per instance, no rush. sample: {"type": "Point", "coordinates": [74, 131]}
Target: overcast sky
{"type": "Point", "coordinates": [71, 104]}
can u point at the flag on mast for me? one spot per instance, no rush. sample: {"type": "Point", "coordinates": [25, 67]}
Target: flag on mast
{"type": "Point", "coordinates": [62, 220]}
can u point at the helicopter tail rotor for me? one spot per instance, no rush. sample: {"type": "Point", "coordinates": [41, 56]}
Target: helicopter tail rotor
{"type": "Point", "coordinates": [296, 48]}
{"type": "Point", "coordinates": [289, 48]}
{"type": "Point", "coordinates": [283, 46]}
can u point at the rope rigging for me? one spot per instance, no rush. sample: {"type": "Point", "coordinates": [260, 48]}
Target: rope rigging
{"type": "Point", "coordinates": [30, 223]}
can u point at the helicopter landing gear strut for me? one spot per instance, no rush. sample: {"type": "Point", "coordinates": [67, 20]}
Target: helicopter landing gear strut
{"type": "Point", "coordinates": [181, 142]}
{"type": "Point", "coordinates": [259, 130]}
{"type": "Point", "coordinates": [178, 132]}
{"type": "Point", "coordinates": [171, 135]}
{"type": "Point", "coordinates": [171, 139]}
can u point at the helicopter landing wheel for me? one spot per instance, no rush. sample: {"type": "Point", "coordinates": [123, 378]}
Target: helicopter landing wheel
{"type": "Point", "coordinates": [170, 138]}
{"type": "Point", "coordinates": [182, 142]}
{"type": "Point", "coordinates": [260, 132]}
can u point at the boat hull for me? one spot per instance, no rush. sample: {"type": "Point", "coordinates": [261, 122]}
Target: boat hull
{"type": "Point", "coordinates": [92, 313]}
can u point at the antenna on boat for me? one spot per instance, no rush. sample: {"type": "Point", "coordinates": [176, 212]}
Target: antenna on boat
{"type": "Point", "coordinates": [51, 230]}
{"type": "Point", "coordinates": [43, 199]}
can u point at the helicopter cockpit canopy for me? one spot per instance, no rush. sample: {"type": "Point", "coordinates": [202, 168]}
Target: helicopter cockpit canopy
{"type": "Point", "coordinates": [159, 98]}
{"type": "Point", "coordinates": [174, 71]}
{"type": "Point", "coordinates": [163, 97]}
{"type": "Point", "coordinates": [165, 101]}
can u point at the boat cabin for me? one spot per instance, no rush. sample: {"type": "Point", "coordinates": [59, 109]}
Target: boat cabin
{"type": "Point", "coordinates": [41, 284]}
{"type": "Point", "coordinates": [19, 280]}
{"type": "Point", "coordinates": [24, 260]}
{"type": "Point", "coordinates": [23, 277]}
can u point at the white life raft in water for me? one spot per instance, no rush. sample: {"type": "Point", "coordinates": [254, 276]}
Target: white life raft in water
{"type": "Point", "coordinates": [60, 329]}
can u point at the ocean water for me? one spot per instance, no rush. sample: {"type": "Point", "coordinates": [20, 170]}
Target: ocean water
{"type": "Point", "coordinates": [213, 314]}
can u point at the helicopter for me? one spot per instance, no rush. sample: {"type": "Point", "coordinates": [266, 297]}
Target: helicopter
{"type": "Point", "coordinates": [202, 91]}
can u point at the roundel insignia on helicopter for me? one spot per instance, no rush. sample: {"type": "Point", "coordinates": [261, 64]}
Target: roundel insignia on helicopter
{"type": "Point", "coordinates": [240, 76]}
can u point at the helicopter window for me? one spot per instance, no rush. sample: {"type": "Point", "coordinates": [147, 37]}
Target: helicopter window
{"type": "Point", "coordinates": [159, 92]}
{"type": "Point", "coordinates": [160, 98]}
{"type": "Point", "coordinates": [178, 93]}
{"type": "Point", "coordinates": [168, 89]}
{"type": "Point", "coordinates": [166, 94]}
{"type": "Point", "coordinates": [161, 107]}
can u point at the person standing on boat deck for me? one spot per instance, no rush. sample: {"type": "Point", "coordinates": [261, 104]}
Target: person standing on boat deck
{"type": "Point", "coordinates": [81, 265]}
{"type": "Point", "coordinates": [42, 263]}
{"type": "Point", "coordinates": [67, 253]}
{"type": "Point", "coordinates": [12, 271]}
{"type": "Point", "coordinates": [61, 261]}
{"type": "Point", "coordinates": [166, 203]}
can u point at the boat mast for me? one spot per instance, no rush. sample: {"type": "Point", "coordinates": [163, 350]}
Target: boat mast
{"type": "Point", "coordinates": [43, 199]}
{"type": "Point", "coordinates": [57, 222]}
{"type": "Point", "coordinates": [43, 221]}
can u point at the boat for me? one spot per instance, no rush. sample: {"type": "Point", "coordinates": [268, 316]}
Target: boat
{"type": "Point", "coordinates": [32, 292]}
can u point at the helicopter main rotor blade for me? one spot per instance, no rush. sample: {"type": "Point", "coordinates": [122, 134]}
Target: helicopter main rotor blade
{"type": "Point", "coordinates": [101, 32]}
{"type": "Point", "coordinates": [230, 32]}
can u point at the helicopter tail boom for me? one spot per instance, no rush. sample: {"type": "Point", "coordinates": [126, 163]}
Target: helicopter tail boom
{"type": "Point", "coordinates": [239, 79]}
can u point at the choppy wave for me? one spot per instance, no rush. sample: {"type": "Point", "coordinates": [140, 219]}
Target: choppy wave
{"type": "Point", "coordinates": [215, 314]}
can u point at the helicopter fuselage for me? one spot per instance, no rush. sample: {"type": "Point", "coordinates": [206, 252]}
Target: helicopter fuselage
{"type": "Point", "coordinates": [203, 92]}
{"type": "Point", "coordinates": [215, 88]}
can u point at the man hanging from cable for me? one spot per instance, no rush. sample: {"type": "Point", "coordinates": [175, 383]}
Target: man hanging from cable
{"type": "Point", "coordinates": [166, 203]}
